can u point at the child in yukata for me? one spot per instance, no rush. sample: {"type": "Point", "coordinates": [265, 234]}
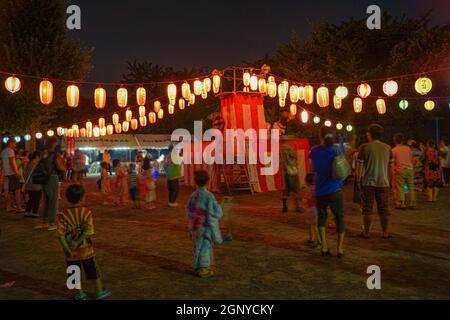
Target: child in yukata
{"type": "Point", "coordinates": [120, 184]}
{"type": "Point", "coordinates": [311, 210]}
{"type": "Point", "coordinates": [147, 190]}
{"type": "Point", "coordinates": [291, 179]}
{"type": "Point", "coordinates": [204, 214]}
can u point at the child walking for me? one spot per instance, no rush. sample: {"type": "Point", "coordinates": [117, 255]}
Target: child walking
{"type": "Point", "coordinates": [120, 184]}
{"type": "Point", "coordinates": [311, 210]}
{"type": "Point", "coordinates": [133, 185]}
{"type": "Point", "coordinates": [105, 183]}
{"type": "Point", "coordinates": [203, 213]}
{"type": "Point", "coordinates": [147, 190]}
{"type": "Point", "coordinates": [75, 228]}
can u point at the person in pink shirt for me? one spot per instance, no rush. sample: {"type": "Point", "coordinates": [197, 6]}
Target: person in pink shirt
{"type": "Point", "coordinates": [403, 173]}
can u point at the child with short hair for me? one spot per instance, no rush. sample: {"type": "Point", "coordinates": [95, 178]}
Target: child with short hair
{"type": "Point", "coordinates": [311, 209]}
{"type": "Point", "coordinates": [204, 214]}
{"type": "Point", "coordinates": [133, 185]}
{"type": "Point", "coordinates": [75, 228]}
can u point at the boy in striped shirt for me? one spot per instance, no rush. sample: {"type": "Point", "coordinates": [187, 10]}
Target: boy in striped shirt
{"type": "Point", "coordinates": [75, 227]}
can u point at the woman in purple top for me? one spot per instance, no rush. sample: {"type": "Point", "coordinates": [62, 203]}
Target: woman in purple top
{"type": "Point", "coordinates": [328, 190]}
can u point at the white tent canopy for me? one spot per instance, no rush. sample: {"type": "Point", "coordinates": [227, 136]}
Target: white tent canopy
{"type": "Point", "coordinates": [123, 142]}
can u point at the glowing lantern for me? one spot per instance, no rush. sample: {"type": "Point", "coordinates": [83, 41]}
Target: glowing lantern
{"type": "Point", "coordinates": [323, 99]}
{"type": "Point", "coordinates": [281, 102]}
{"type": "Point", "coordinates": [337, 102]}
{"type": "Point", "coordinates": [59, 131]}
{"type": "Point", "coordinates": [216, 83]}
{"type": "Point", "coordinates": [122, 97]}
{"type": "Point", "coordinates": [423, 85]}
{"type": "Point", "coordinates": [309, 94]}
{"type": "Point", "coordinates": [381, 106]}
{"type": "Point", "coordinates": [50, 133]}
{"type": "Point", "coordinates": [75, 131]}
{"type": "Point", "coordinates": [305, 116]}
{"type": "Point", "coordinates": [390, 88]}
{"type": "Point", "coordinates": [115, 118]}
{"type": "Point", "coordinates": [89, 133]}
{"type": "Point", "coordinates": [246, 79]}
{"type": "Point", "coordinates": [96, 132]}
{"type": "Point", "coordinates": [134, 124]}
{"type": "Point", "coordinates": [272, 89]}
{"type": "Point", "coordinates": [27, 137]}
{"type": "Point", "coordinates": [181, 104]}
{"type": "Point", "coordinates": [110, 130]}
{"type": "Point", "coordinates": [339, 126]}
{"type": "Point", "coordinates": [328, 123]}
{"type": "Point", "coordinates": [125, 126]}
{"type": "Point", "coordinates": [160, 114]}
{"type": "Point", "coordinates": [286, 86]}
{"type": "Point", "coordinates": [293, 94]}
{"type": "Point", "coordinates": [293, 109]}
{"type": "Point", "coordinates": [262, 86]}
{"type": "Point", "coordinates": [171, 109]}
{"type": "Point", "coordinates": [301, 93]}
{"type": "Point", "coordinates": [69, 133]}
{"type": "Point", "coordinates": [282, 92]}
{"type": "Point", "coordinates": [101, 122]}
{"type": "Point", "coordinates": [118, 128]}
{"type": "Point", "coordinates": [246, 89]}
{"type": "Point", "coordinates": [13, 84]}
{"type": "Point", "coordinates": [357, 105]}
{"type": "Point", "coordinates": [152, 117]}
{"type": "Point", "coordinates": [143, 121]}
{"type": "Point", "coordinates": [341, 92]}
{"type": "Point", "coordinates": [316, 120]}
{"type": "Point", "coordinates": [100, 98]}
{"type": "Point", "coordinates": [128, 115]}
{"type": "Point", "coordinates": [89, 126]}
{"type": "Point", "coordinates": [429, 105]}
{"type": "Point", "coordinates": [254, 83]}
{"type": "Point", "coordinates": [73, 96]}
{"type": "Point", "coordinates": [18, 139]}
{"type": "Point", "coordinates": [192, 99]}
{"type": "Point", "coordinates": [349, 128]}
{"type": "Point", "coordinates": [364, 90]}
{"type": "Point", "coordinates": [156, 106]}
{"type": "Point", "coordinates": [142, 111]}
{"type": "Point", "coordinates": [172, 93]}
{"type": "Point", "coordinates": [39, 136]}
{"type": "Point", "coordinates": [207, 84]}
{"type": "Point", "coordinates": [83, 132]}
{"type": "Point", "coordinates": [46, 92]}
{"type": "Point", "coordinates": [141, 96]}
{"type": "Point", "coordinates": [403, 104]}
{"type": "Point", "coordinates": [186, 91]}
{"type": "Point", "coordinates": [103, 131]}
{"type": "Point", "coordinates": [205, 93]}
{"type": "Point", "coordinates": [198, 87]}
{"type": "Point", "coordinates": [271, 79]}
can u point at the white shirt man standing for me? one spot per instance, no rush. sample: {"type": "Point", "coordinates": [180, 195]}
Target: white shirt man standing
{"type": "Point", "coordinates": [12, 175]}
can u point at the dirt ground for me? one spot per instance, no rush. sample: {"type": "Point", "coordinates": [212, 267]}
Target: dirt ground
{"type": "Point", "coordinates": [147, 254]}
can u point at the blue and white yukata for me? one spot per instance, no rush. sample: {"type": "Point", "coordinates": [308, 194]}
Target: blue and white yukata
{"type": "Point", "coordinates": [204, 214]}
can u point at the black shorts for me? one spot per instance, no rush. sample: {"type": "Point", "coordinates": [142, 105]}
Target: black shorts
{"type": "Point", "coordinates": [13, 183]}
{"type": "Point", "coordinates": [133, 194]}
{"type": "Point", "coordinates": [89, 266]}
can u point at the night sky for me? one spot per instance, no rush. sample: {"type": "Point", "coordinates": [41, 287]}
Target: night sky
{"type": "Point", "coordinates": [212, 33]}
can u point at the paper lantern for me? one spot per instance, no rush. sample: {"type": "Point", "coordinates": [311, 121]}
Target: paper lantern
{"type": "Point", "coordinates": [357, 105]}
{"type": "Point", "coordinates": [198, 87]}
{"type": "Point", "coordinates": [50, 133]}
{"type": "Point", "coordinates": [301, 93]}
{"type": "Point", "coordinates": [328, 123]}
{"type": "Point", "coordinates": [262, 86]}
{"type": "Point", "coordinates": [142, 111]}
{"type": "Point", "coordinates": [293, 109]}
{"type": "Point", "coordinates": [272, 89]}
{"type": "Point", "coordinates": [192, 99]}
{"type": "Point", "coordinates": [341, 92]}
{"type": "Point", "coordinates": [18, 139]}
{"type": "Point", "coordinates": [186, 91]}
{"type": "Point", "coordinates": [141, 96]}
{"type": "Point", "coordinates": [429, 105]}
{"type": "Point", "coordinates": [122, 97]}
{"type": "Point", "coordinates": [76, 132]}
{"type": "Point", "coordinates": [73, 96]}
{"type": "Point", "coordinates": [381, 106]}
{"type": "Point", "coordinates": [349, 128]}
{"type": "Point", "coordinates": [134, 124]}
{"type": "Point", "coordinates": [172, 93]}
{"type": "Point", "coordinates": [156, 106]}
{"type": "Point", "coordinates": [316, 120]}
{"type": "Point", "coordinates": [216, 84]}
{"type": "Point", "coordinates": [46, 92]}
{"type": "Point", "coordinates": [403, 104]}
{"type": "Point", "coordinates": [83, 132]}
{"type": "Point", "coordinates": [128, 115]}
{"type": "Point", "coordinates": [181, 104]}
{"type": "Point", "coordinates": [160, 114]}
{"type": "Point", "coordinates": [282, 102]}
{"type": "Point", "coordinates": [246, 79]}
{"type": "Point", "coordinates": [286, 86]}
{"type": "Point", "coordinates": [96, 132]}
{"type": "Point", "coordinates": [171, 109]}
{"type": "Point", "coordinates": [390, 88]}
{"type": "Point", "coordinates": [125, 126]}
{"type": "Point", "coordinates": [27, 137]}
{"type": "Point", "coordinates": [309, 94]}
{"type": "Point", "coordinates": [254, 83]}
{"type": "Point", "coordinates": [364, 90]}
{"type": "Point", "coordinates": [143, 121]}
{"type": "Point", "coordinates": [115, 119]}
{"type": "Point", "coordinates": [103, 131]}
{"type": "Point", "coordinates": [110, 130]}
{"type": "Point", "coordinates": [339, 126]}
{"type": "Point", "coordinates": [69, 133]}
{"type": "Point", "coordinates": [337, 102]}
{"type": "Point", "coordinates": [207, 84]}
{"type": "Point", "coordinates": [88, 126]}
{"type": "Point", "coordinates": [39, 136]}
{"type": "Point", "coordinates": [305, 116]}
{"type": "Point", "coordinates": [13, 84]}
{"type": "Point", "coordinates": [152, 117]}
{"type": "Point", "coordinates": [282, 92]}
{"type": "Point", "coordinates": [271, 79]}
{"type": "Point", "coordinates": [293, 94]}
{"type": "Point", "coordinates": [101, 123]}
{"type": "Point", "coordinates": [100, 98]}
{"type": "Point", "coordinates": [323, 99]}
{"type": "Point", "coordinates": [89, 133]}
{"type": "Point", "coordinates": [59, 131]}
{"type": "Point", "coordinates": [423, 85]}
{"type": "Point", "coordinates": [118, 128]}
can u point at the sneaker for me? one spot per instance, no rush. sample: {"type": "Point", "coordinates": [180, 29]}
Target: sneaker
{"type": "Point", "coordinates": [102, 295]}
{"type": "Point", "coordinates": [204, 273]}
{"type": "Point", "coordinates": [51, 227]}
{"type": "Point", "coordinates": [41, 226]}
{"type": "Point", "coordinates": [173, 205]}
{"type": "Point", "coordinates": [80, 296]}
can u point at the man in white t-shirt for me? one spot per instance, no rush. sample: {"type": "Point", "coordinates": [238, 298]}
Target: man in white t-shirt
{"type": "Point", "coordinates": [12, 176]}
